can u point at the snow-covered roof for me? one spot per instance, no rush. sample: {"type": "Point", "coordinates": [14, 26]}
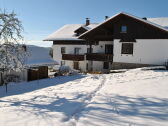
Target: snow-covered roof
{"type": "Point", "coordinates": [67, 32]}
{"type": "Point", "coordinates": [64, 33]}
{"type": "Point", "coordinates": [39, 56]}
{"type": "Point", "coordinates": [163, 21]}
{"type": "Point", "coordinates": [153, 23]}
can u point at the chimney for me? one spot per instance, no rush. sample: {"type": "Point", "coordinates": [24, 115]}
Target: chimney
{"type": "Point", "coordinates": [87, 21]}
{"type": "Point", "coordinates": [106, 17]}
{"type": "Point", "coordinates": [144, 18]}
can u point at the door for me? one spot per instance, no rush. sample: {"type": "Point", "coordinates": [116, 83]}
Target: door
{"type": "Point", "coordinates": [33, 74]}
{"type": "Point", "coordinates": [108, 49]}
{"type": "Point", "coordinates": [76, 65]}
{"type": "Point", "coordinates": [106, 65]}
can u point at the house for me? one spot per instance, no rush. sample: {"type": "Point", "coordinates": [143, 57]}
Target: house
{"type": "Point", "coordinates": [122, 41]}
{"type": "Point", "coordinates": [136, 42]}
{"type": "Point", "coordinates": [67, 48]}
{"type": "Point", "coordinates": [36, 65]}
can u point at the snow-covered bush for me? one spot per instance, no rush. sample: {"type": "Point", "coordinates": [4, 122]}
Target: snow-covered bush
{"type": "Point", "coordinates": [12, 56]}
{"type": "Point", "coordinates": [66, 70]}
{"type": "Point", "coordinates": [74, 72]}
{"type": "Point", "coordinates": [63, 70]}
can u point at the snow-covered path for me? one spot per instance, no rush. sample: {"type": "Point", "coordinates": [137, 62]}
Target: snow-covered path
{"type": "Point", "coordinates": [134, 98]}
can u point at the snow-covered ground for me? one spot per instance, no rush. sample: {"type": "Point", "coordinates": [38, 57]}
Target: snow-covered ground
{"type": "Point", "coordinates": [134, 98]}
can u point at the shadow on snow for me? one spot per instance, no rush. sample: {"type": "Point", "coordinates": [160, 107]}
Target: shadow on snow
{"type": "Point", "coordinates": [127, 107]}
{"type": "Point", "coordinates": [24, 87]}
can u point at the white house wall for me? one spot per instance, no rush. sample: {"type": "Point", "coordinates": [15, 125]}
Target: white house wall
{"type": "Point", "coordinates": [69, 50]}
{"type": "Point", "coordinates": [101, 47]}
{"type": "Point", "coordinates": [145, 51]}
{"type": "Point", "coordinates": [97, 65]}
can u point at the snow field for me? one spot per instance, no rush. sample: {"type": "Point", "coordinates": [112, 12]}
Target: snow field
{"type": "Point", "coordinates": [134, 98]}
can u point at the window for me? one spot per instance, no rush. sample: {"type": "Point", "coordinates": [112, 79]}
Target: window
{"type": "Point", "coordinates": [63, 50]}
{"type": "Point", "coordinates": [89, 51]}
{"type": "Point", "coordinates": [123, 29]}
{"type": "Point", "coordinates": [77, 50]}
{"type": "Point", "coordinates": [105, 65]}
{"type": "Point", "coordinates": [127, 48]}
{"type": "Point", "coordinates": [62, 63]}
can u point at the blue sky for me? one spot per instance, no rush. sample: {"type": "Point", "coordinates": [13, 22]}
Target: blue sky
{"type": "Point", "coordinates": [42, 17]}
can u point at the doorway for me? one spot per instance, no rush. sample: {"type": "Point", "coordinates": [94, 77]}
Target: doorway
{"type": "Point", "coordinates": [76, 65]}
{"type": "Point", "coordinates": [108, 49]}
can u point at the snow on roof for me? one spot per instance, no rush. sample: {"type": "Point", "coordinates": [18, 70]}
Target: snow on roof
{"type": "Point", "coordinates": [163, 21]}
{"type": "Point", "coordinates": [64, 33]}
{"type": "Point", "coordinates": [67, 32]}
{"type": "Point", "coordinates": [90, 26]}
{"type": "Point", "coordinates": [39, 56]}
{"type": "Point", "coordinates": [130, 15]}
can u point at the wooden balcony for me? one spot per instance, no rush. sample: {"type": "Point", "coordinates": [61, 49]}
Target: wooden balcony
{"type": "Point", "coordinates": [99, 57]}
{"type": "Point", "coordinates": [73, 57]}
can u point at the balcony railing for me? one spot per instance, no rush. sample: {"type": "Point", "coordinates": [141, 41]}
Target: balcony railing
{"type": "Point", "coordinates": [73, 57]}
{"type": "Point", "coordinates": [99, 57]}
{"type": "Point", "coordinates": [89, 56]}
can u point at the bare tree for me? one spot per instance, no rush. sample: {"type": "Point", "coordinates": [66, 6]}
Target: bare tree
{"type": "Point", "coordinates": [12, 54]}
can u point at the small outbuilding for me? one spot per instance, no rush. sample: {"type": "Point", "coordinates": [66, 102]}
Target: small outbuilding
{"type": "Point", "coordinates": [36, 65]}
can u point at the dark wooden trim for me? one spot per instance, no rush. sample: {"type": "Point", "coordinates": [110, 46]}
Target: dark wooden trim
{"type": "Point", "coordinates": [99, 57]}
{"type": "Point", "coordinates": [69, 42]}
{"type": "Point", "coordinates": [127, 40]}
{"type": "Point", "coordinates": [72, 57]}
{"type": "Point", "coordinates": [146, 23]}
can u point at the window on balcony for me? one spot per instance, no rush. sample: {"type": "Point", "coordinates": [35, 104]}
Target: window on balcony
{"type": "Point", "coordinates": [123, 29]}
{"type": "Point", "coordinates": [77, 51]}
{"type": "Point", "coordinates": [106, 65]}
{"type": "Point", "coordinates": [63, 50]}
{"type": "Point", "coordinates": [89, 50]}
{"type": "Point", "coordinates": [127, 48]}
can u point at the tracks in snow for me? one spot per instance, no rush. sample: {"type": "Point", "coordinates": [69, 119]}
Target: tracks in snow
{"type": "Point", "coordinates": [92, 94]}
{"type": "Point", "coordinates": [87, 100]}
